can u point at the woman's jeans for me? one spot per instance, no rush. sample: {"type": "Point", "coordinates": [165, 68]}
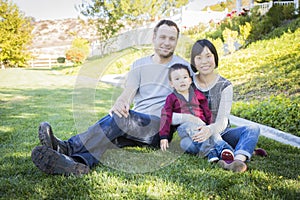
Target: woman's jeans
{"type": "Point", "coordinates": [92, 144]}
{"type": "Point", "coordinates": [243, 139]}
{"type": "Point", "coordinates": [214, 143]}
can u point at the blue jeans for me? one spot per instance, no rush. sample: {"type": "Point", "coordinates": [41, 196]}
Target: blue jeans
{"type": "Point", "coordinates": [214, 143]}
{"type": "Point", "coordinates": [243, 139]}
{"type": "Point", "coordinates": [138, 128]}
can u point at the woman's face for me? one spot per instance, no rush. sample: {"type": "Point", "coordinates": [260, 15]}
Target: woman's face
{"type": "Point", "coordinates": [205, 62]}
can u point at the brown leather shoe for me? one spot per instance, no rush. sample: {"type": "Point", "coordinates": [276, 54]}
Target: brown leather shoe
{"type": "Point", "coordinates": [48, 139]}
{"type": "Point", "coordinates": [52, 162]}
{"type": "Point", "coordinates": [235, 166]}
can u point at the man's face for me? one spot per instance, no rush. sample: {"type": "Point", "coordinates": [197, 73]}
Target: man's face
{"type": "Point", "coordinates": [165, 41]}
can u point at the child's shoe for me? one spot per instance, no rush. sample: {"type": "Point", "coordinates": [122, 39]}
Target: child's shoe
{"type": "Point", "coordinates": [213, 156]}
{"type": "Point", "coordinates": [227, 155]}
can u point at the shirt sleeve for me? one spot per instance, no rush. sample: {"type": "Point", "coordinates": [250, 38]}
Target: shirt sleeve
{"type": "Point", "coordinates": [166, 118]}
{"type": "Point", "coordinates": [133, 78]}
{"type": "Point", "coordinates": [222, 117]}
{"type": "Point", "coordinates": [204, 105]}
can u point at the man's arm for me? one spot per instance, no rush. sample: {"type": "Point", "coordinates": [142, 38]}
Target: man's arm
{"type": "Point", "coordinates": [122, 104]}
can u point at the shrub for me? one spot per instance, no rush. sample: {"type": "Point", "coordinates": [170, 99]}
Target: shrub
{"type": "Point", "coordinates": [61, 59]}
{"type": "Point", "coordinates": [79, 51]}
{"type": "Point", "coordinates": [277, 111]}
{"type": "Point", "coordinates": [75, 55]}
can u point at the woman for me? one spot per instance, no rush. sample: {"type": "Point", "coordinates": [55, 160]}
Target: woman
{"type": "Point", "coordinates": [219, 92]}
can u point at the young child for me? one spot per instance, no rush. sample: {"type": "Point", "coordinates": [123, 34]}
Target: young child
{"type": "Point", "coordinates": [189, 100]}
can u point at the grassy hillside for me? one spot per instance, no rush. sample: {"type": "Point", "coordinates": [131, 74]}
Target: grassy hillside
{"type": "Point", "coordinates": [266, 81]}
{"type": "Point", "coordinates": [265, 67]}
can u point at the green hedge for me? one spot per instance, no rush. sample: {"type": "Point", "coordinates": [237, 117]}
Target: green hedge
{"type": "Point", "coordinates": [277, 111]}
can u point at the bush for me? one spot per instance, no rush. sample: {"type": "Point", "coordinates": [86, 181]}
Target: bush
{"type": "Point", "coordinates": [75, 55]}
{"type": "Point", "coordinates": [79, 51]}
{"type": "Point", "coordinates": [61, 59]}
{"type": "Point", "coordinates": [292, 26]}
{"type": "Point", "coordinates": [260, 25]}
{"type": "Point", "coordinates": [277, 111]}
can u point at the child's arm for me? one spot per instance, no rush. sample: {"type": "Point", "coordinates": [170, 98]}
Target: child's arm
{"type": "Point", "coordinates": [165, 122]}
{"type": "Point", "coordinates": [179, 118]}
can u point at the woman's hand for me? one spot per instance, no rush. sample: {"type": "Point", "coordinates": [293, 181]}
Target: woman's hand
{"type": "Point", "coordinates": [164, 144]}
{"type": "Point", "coordinates": [203, 134]}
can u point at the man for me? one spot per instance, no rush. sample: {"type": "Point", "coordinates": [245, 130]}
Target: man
{"type": "Point", "coordinates": [146, 86]}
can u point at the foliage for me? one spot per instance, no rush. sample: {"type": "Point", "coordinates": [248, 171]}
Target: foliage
{"type": "Point", "coordinates": [139, 11]}
{"type": "Point", "coordinates": [15, 35]}
{"type": "Point", "coordinates": [245, 31]}
{"type": "Point", "coordinates": [106, 16]}
{"type": "Point", "coordinates": [254, 26]}
{"type": "Point", "coordinates": [61, 59]}
{"type": "Point", "coordinates": [264, 24]}
{"type": "Point", "coordinates": [290, 26]}
{"type": "Point", "coordinates": [278, 112]}
{"type": "Point", "coordinates": [24, 106]}
{"type": "Point", "coordinates": [266, 68]}
{"type": "Point", "coordinates": [230, 37]}
{"type": "Point", "coordinates": [110, 16]}
{"type": "Point", "coordinates": [79, 51]}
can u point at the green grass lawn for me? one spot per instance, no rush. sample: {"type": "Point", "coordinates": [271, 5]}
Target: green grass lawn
{"type": "Point", "coordinates": [71, 104]}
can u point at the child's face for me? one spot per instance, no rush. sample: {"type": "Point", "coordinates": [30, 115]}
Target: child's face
{"type": "Point", "coordinates": [180, 80]}
{"type": "Point", "coordinates": [205, 62]}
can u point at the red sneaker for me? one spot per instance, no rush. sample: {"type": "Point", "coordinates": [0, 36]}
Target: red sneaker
{"type": "Point", "coordinates": [227, 155]}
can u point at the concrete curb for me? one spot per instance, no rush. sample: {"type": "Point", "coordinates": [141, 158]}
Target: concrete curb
{"type": "Point", "coordinates": [114, 79]}
{"type": "Point", "coordinates": [268, 132]}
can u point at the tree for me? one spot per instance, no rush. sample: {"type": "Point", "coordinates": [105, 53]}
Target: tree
{"type": "Point", "coordinates": [140, 10]}
{"type": "Point", "coordinates": [15, 35]}
{"type": "Point", "coordinates": [110, 17]}
{"type": "Point", "coordinates": [106, 17]}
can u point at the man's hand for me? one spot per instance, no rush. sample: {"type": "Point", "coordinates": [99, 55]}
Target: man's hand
{"type": "Point", "coordinates": [204, 134]}
{"type": "Point", "coordinates": [164, 144]}
{"type": "Point", "coordinates": [120, 108]}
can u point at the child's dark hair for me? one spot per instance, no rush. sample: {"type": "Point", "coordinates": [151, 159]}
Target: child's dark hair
{"type": "Point", "coordinates": [198, 48]}
{"type": "Point", "coordinates": [178, 66]}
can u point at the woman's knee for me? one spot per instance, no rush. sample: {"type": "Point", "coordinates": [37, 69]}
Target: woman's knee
{"type": "Point", "coordinates": [253, 130]}
{"type": "Point", "coordinates": [188, 146]}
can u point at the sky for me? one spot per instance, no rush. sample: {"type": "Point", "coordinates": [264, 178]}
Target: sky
{"type": "Point", "coordinates": [48, 9]}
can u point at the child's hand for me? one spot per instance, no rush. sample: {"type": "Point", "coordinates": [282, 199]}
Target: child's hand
{"type": "Point", "coordinates": [164, 144]}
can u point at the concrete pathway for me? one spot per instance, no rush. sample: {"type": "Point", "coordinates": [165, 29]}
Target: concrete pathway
{"type": "Point", "coordinates": [266, 131]}
{"type": "Point", "coordinates": [269, 132]}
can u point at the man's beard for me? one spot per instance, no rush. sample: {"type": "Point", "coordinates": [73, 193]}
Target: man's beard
{"type": "Point", "coordinates": [165, 56]}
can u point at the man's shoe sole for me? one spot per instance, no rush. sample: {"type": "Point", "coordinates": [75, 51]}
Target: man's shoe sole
{"type": "Point", "coordinates": [52, 162]}
{"type": "Point", "coordinates": [46, 135]}
{"type": "Point", "coordinates": [235, 166]}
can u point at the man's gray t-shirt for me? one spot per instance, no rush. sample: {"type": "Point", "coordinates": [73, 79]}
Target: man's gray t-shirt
{"type": "Point", "coordinates": [152, 84]}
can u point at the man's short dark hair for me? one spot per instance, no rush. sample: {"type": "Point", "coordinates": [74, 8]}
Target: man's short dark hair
{"type": "Point", "coordinates": [177, 66]}
{"type": "Point", "coordinates": [167, 22]}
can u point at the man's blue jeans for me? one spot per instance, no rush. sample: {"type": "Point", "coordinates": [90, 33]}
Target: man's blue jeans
{"type": "Point", "coordinates": [243, 139]}
{"type": "Point", "coordinates": [89, 146]}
